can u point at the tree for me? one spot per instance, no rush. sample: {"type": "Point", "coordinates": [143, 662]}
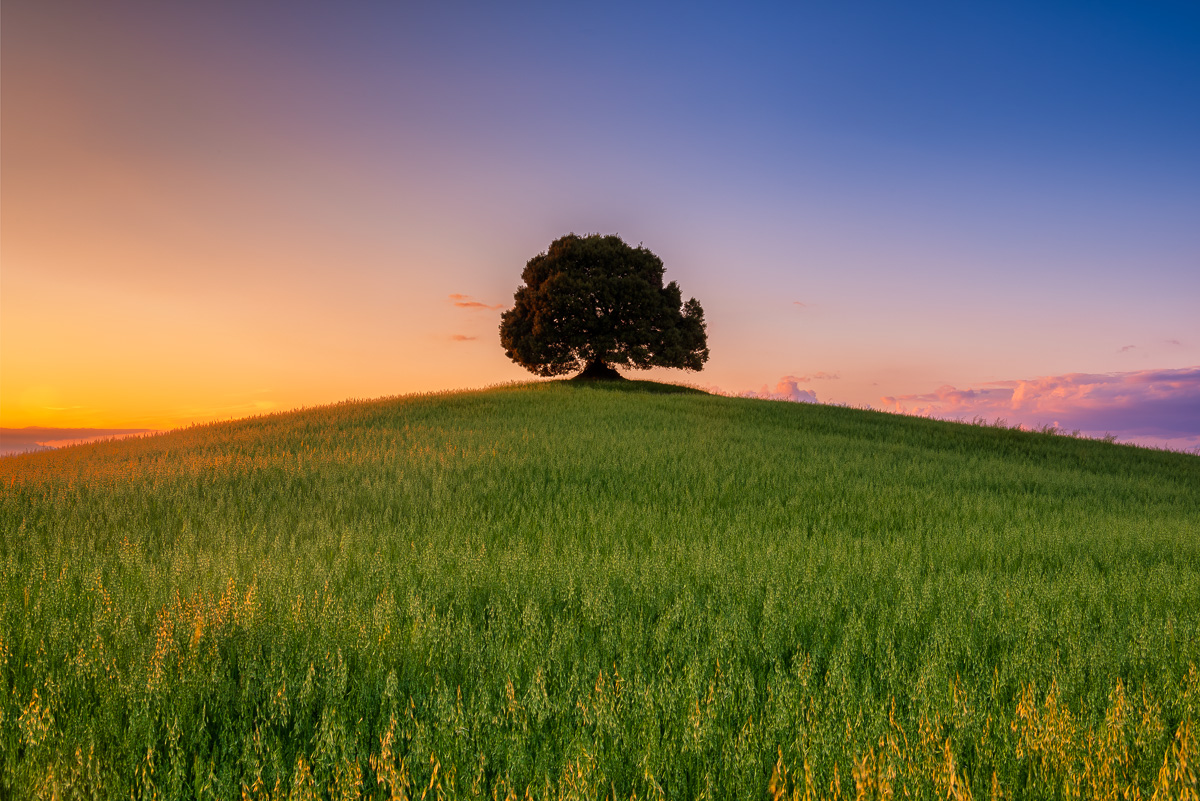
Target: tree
{"type": "Point", "coordinates": [593, 303]}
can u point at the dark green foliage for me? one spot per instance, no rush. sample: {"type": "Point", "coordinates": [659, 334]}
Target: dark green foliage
{"type": "Point", "coordinates": [594, 302]}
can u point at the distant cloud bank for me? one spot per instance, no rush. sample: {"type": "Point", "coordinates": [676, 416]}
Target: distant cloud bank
{"type": "Point", "coordinates": [39, 438]}
{"type": "Point", "coordinates": [1149, 407]}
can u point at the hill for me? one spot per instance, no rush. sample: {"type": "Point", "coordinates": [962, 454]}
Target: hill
{"type": "Point", "coordinates": [565, 590]}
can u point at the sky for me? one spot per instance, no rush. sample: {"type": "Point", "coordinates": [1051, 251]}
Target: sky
{"type": "Point", "coordinates": [986, 210]}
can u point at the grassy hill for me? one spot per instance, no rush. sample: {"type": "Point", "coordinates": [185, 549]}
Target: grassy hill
{"type": "Point", "coordinates": [566, 591]}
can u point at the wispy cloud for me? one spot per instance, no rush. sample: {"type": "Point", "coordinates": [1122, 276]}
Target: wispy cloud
{"type": "Point", "coordinates": [467, 302]}
{"type": "Point", "coordinates": [462, 338]}
{"type": "Point", "coordinates": [1147, 406]}
{"type": "Point", "coordinates": [1127, 347]}
{"type": "Point", "coordinates": [799, 305]}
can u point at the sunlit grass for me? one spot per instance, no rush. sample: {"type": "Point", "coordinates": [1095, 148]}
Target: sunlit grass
{"type": "Point", "coordinates": [562, 591]}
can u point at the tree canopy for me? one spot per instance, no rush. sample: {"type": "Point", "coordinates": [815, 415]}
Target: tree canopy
{"type": "Point", "coordinates": [592, 303]}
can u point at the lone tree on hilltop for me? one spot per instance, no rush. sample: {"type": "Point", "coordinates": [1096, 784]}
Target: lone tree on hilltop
{"type": "Point", "coordinates": [593, 303]}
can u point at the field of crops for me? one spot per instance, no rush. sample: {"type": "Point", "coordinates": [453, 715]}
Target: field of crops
{"type": "Point", "coordinates": [569, 592]}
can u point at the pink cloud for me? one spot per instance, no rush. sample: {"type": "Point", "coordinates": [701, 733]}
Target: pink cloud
{"type": "Point", "coordinates": [1126, 348]}
{"type": "Point", "coordinates": [463, 338]}
{"type": "Point", "coordinates": [1146, 406]}
{"type": "Point", "coordinates": [467, 302]}
{"type": "Point", "coordinates": [786, 389]}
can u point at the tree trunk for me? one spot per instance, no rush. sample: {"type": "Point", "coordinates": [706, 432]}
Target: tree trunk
{"type": "Point", "coordinates": [597, 370]}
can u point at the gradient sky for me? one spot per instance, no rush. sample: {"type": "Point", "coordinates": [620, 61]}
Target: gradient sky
{"type": "Point", "coordinates": [213, 210]}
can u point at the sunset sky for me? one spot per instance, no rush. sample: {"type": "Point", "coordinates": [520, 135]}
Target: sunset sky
{"type": "Point", "coordinates": [214, 210]}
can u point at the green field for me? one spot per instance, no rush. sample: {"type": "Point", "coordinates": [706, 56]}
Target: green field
{"type": "Point", "coordinates": [566, 591]}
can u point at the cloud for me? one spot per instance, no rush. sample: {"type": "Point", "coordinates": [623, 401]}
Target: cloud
{"type": "Point", "coordinates": [801, 305]}
{"type": "Point", "coordinates": [786, 389]}
{"type": "Point", "coordinates": [1174, 342]}
{"type": "Point", "coordinates": [463, 338]}
{"type": "Point", "coordinates": [1146, 406]}
{"type": "Point", "coordinates": [40, 438]}
{"type": "Point", "coordinates": [1127, 347]}
{"type": "Point", "coordinates": [467, 302]}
